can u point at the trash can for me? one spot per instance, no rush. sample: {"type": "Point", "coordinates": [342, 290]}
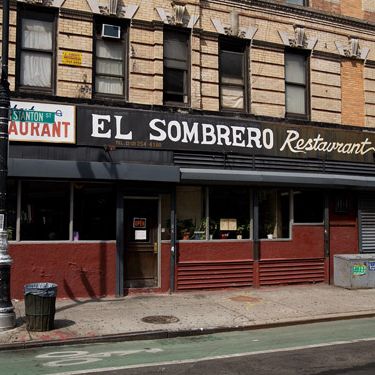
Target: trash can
{"type": "Point", "coordinates": [40, 301]}
{"type": "Point", "coordinates": [354, 271]}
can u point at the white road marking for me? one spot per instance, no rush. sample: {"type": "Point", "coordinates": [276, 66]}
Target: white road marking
{"type": "Point", "coordinates": [225, 356]}
{"type": "Point", "coordinates": [72, 358]}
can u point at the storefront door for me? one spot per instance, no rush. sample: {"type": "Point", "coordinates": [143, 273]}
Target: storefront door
{"type": "Point", "coordinates": [141, 242]}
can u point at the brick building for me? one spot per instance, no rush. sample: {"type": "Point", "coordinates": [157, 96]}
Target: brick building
{"type": "Point", "coordinates": [158, 145]}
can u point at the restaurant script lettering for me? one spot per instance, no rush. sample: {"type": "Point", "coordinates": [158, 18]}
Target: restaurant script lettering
{"type": "Point", "coordinates": [177, 131]}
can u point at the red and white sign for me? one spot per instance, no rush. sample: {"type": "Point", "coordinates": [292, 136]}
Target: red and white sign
{"type": "Point", "coordinates": [41, 122]}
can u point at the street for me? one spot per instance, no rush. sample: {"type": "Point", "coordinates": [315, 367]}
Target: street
{"type": "Point", "coordinates": [338, 347]}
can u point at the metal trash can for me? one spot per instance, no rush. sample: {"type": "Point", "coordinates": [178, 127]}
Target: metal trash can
{"type": "Point", "coordinates": [40, 299]}
{"type": "Point", "coordinates": [354, 271]}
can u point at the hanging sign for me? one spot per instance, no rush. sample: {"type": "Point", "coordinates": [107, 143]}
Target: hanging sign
{"type": "Point", "coordinates": [180, 131]}
{"type": "Point", "coordinates": [41, 122]}
{"type": "Point", "coordinates": [139, 223]}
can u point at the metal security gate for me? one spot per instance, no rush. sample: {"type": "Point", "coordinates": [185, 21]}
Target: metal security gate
{"type": "Point", "coordinates": [367, 224]}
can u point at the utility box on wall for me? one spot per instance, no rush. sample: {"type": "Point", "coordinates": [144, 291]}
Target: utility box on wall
{"type": "Point", "coordinates": [354, 271]}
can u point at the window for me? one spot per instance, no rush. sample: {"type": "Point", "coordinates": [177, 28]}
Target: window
{"type": "Point", "coordinates": [190, 207]}
{"type": "Point", "coordinates": [36, 36]}
{"type": "Point", "coordinates": [308, 206]}
{"type": "Point", "coordinates": [214, 213]}
{"type": "Point", "coordinates": [94, 212]}
{"type": "Point", "coordinates": [232, 75]}
{"type": "Point", "coordinates": [110, 59]}
{"type": "Point", "coordinates": [45, 211]}
{"type": "Point", "coordinates": [176, 67]}
{"type": "Point", "coordinates": [296, 84]}
{"type": "Point", "coordinates": [297, 2]}
{"type": "Point", "coordinates": [274, 214]}
{"type": "Point", "coordinates": [229, 213]}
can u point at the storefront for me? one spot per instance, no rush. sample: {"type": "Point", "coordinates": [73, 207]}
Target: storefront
{"type": "Point", "coordinates": [106, 201]}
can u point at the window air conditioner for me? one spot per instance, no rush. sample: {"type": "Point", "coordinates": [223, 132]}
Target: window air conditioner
{"type": "Point", "coordinates": [111, 31]}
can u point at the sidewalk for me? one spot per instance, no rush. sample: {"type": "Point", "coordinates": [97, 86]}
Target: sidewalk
{"type": "Point", "coordinates": [190, 313]}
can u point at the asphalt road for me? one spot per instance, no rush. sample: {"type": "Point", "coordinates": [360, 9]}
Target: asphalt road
{"type": "Point", "coordinates": [349, 359]}
{"type": "Point", "coordinates": [330, 348]}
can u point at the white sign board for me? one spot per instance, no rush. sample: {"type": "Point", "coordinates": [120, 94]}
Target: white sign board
{"type": "Point", "coordinates": [42, 122]}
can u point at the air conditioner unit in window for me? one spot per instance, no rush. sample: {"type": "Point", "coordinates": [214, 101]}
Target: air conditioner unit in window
{"type": "Point", "coordinates": [111, 31]}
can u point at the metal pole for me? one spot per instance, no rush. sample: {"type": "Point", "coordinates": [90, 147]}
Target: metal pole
{"type": "Point", "coordinates": [7, 315]}
{"type": "Point", "coordinates": [173, 242]}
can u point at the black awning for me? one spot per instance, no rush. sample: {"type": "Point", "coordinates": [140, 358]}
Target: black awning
{"type": "Point", "coordinates": [67, 169]}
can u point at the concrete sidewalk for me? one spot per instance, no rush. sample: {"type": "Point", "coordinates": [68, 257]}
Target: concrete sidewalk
{"type": "Point", "coordinates": [81, 321]}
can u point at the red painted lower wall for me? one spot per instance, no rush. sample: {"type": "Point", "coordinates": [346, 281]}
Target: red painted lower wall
{"type": "Point", "coordinates": [307, 242]}
{"type": "Point", "coordinates": [214, 251]}
{"type": "Point", "coordinates": [79, 269]}
{"type": "Point", "coordinates": [343, 240]}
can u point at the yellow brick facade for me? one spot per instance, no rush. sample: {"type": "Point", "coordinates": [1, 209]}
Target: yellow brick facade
{"type": "Point", "coordinates": [340, 91]}
{"type": "Point", "coordinates": [353, 99]}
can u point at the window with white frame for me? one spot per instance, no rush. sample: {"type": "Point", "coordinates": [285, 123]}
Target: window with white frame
{"type": "Point", "coordinates": [176, 67]}
{"type": "Point", "coordinates": [36, 35]}
{"type": "Point", "coordinates": [232, 75]}
{"type": "Point", "coordinates": [110, 58]}
{"type": "Point", "coordinates": [296, 89]}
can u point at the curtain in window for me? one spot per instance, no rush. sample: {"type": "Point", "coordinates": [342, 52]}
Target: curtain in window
{"type": "Point", "coordinates": [109, 85]}
{"type": "Point", "coordinates": [295, 99]}
{"type": "Point", "coordinates": [36, 67]}
{"type": "Point", "coordinates": [295, 68]}
{"type": "Point", "coordinates": [109, 62]}
{"type": "Point", "coordinates": [36, 34]}
{"type": "Point", "coordinates": [232, 97]}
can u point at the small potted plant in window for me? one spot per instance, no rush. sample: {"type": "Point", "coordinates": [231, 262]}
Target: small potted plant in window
{"type": "Point", "coordinates": [240, 231]}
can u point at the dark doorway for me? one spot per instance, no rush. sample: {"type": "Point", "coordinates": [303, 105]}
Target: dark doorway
{"type": "Point", "coordinates": [141, 242]}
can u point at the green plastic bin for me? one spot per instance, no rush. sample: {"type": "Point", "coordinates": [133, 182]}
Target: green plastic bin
{"type": "Point", "coordinates": [40, 300]}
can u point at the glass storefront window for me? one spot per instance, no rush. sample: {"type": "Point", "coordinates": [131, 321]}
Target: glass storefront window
{"type": "Point", "coordinates": [191, 221]}
{"type": "Point", "coordinates": [44, 211]}
{"type": "Point", "coordinates": [229, 211]}
{"type": "Point", "coordinates": [274, 214]}
{"type": "Point", "coordinates": [308, 206]}
{"type": "Point", "coordinates": [94, 212]}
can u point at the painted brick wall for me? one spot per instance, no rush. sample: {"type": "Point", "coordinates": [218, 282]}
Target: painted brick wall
{"type": "Point", "coordinates": [353, 100]}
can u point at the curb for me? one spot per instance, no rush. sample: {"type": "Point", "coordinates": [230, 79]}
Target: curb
{"type": "Point", "coordinates": [165, 334]}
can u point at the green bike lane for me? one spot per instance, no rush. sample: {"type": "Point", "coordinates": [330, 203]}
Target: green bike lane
{"type": "Point", "coordinates": [80, 359]}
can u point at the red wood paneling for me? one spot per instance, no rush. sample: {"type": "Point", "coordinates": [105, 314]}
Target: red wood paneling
{"type": "Point", "coordinates": [214, 251]}
{"type": "Point", "coordinates": [79, 269]}
{"type": "Point", "coordinates": [307, 242]}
